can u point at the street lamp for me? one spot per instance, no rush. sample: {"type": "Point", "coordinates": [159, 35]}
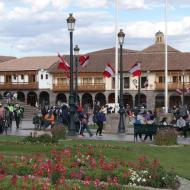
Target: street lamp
{"type": "Point", "coordinates": [121, 127]}
{"type": "Point", "coordinates": [72, 128]}
{"type": "Point", "coordinates": [76, 51]}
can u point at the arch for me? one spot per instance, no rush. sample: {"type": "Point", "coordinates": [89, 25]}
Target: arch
{"type": "Point", "coordinates": [44, 98]}
{"type": "Point", "coordinates": [1, 97]}
{"type": "Point", "coordinates": [61, 98]}
{"type": "Point", "coordinates": [142, 100]}
{"type": "Point", "coordinates": [111, 98]}
{"type": "Point", "coordinates": [174, 100]}
{"type": "Point", "coordinates": [87, 101]}
{"type": "Point", "coordinates": [128, 99]}
{"type": "Point", "coordinates": [159, 101]}
{"type": "Point", "coordinates": [31, 98]}
{"type": "Point", "coordinates": [101, 98]}
{"type": "Point", "coordinates": [21, 96]}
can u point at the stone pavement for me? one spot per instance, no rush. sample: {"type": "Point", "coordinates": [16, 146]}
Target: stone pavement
{"type": "Point", "coordinates": [27, 128]}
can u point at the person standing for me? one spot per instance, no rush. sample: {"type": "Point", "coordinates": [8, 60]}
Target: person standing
{"type": "Point", "coordinates": [18, 115]}
{"type": "Point", "coordinates": [181, 124]}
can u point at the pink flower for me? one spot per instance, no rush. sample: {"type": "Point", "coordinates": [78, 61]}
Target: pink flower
{"type": "Point", "coordinates": [96, 182]}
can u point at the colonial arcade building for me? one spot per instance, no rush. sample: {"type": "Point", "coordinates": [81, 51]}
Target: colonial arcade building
{"type": "Point", "coordinates": [37, 79]}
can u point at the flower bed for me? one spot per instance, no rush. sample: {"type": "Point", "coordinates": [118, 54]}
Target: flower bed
{"type": "Point", "coordinates": [82, 166]}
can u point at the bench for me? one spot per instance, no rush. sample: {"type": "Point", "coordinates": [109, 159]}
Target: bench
{"type": "Point", "coordinates": [148, 129]}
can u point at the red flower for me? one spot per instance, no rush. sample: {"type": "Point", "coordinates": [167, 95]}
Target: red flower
{"type": "Point", "coordinates": [96, 182]}
{"type": "Point", "coordinates": [14, 179]}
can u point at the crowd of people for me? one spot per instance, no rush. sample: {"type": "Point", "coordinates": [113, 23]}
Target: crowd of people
{"type": "Point", "coordinates": [49, 116]}
{"type": "Point", "coordinates": [8, 113]}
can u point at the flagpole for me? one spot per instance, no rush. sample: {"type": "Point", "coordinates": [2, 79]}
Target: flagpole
{"type": "Point", "coordinates": [139, 94]}
{"type": "Point", "coordinates": [116, 57]}
{"type": "Point", "coordinates": [166, 59]}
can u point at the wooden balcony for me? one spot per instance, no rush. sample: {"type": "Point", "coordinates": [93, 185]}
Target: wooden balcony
{"type": "Point", "coordinates": [81, 87]}
{"type": "Point", "coordinates": [18, 86]}
{"type": "Point", "coordinates": [171, 86]}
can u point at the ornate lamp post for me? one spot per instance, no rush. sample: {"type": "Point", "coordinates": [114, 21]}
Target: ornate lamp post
{"type": "Point", "coordinates": [76, 51]}
{"type": "Point", "coordinates": [72, 128]}
{"type": "Point", "coordinates": [121, 127]}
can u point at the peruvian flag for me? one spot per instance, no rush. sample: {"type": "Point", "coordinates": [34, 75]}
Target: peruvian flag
{"type": "Point", "coordinates": [136, 69]}
{"type": "Point", "coordinates": [63, 65]}
{"type": "Point", "coordinates": [84, 60]}
{"type": "Point", "coordinates": [108, 71]}
{"type": "Point", "coordinates": [179, 91]}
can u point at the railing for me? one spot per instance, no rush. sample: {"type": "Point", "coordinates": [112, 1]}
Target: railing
{"type": "Point", "coordinates": [81, 87]}
{"type": "Point", "coordinates": [18, 86]}
{"type": "Point", "coordinates": [172, 86]}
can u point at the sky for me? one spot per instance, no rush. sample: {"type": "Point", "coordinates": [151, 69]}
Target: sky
{"type": "Point", "coordinates": [38, 27]}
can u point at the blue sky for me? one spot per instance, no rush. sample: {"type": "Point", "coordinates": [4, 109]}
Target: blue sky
{"type": "Point", "coordinates": [38, 27]}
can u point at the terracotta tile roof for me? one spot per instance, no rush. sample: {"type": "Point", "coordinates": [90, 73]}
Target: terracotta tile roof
{"type": "Point", "coordinates": [150, 61]}
{"type": "Point", "coordinates": [28, 63]}
{"type": "Point", "coordinates": [6, 58]}
{"type": "Point", "coordinates": [157, 48]}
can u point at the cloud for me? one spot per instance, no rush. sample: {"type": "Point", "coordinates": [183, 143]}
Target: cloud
{"type": "Point", "coordinates": [132, 4]}
{"type": "Point", "coordinates": [91, 3]}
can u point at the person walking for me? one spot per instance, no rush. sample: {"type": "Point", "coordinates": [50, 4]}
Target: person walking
{"type": "Point", "coordinates": [101, 118]}
{"type": "Point", "coordinates": [84, 123]}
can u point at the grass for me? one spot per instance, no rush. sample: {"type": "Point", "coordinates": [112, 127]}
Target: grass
{"type": "Point", "coordinates": [170, 157]}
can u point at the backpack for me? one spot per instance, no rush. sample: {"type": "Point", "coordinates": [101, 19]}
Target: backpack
{"type": "Point", "coordinates": [101, 117]}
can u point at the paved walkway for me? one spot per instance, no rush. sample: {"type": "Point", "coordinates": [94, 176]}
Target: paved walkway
{"type": "Point", "coordinates": [27, 128]}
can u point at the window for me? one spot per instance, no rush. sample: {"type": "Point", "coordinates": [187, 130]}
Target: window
{"type": "Point", "coordinates": [42, 76]}
{"type": "Point", "coordinates": [62, 81]}
{"type": "Point", "coordinates": [14, 77]}
{"type": "Point", "coordinates": [87, 80]}
{"type": "Point", "coordinates": [46, 76]}
{"type": "Point", "coordinates": [174, 79]}
{"type": "Point", "coordinates": [160, 79]}
{"type": "Point", "coordinates": [98, 80]}
{"type": "Point", "coordinates": [32, 78]}
{"type": "Point", "coordinates": [22, 77]}
{"type": "Point", "coordinates": [113, 82]}
{"type": "Point", "coordinates": [126, 82]}
{"type": "Point", "coordinates": [143, 82]}
{"type": "Point", "coordinates": [8, 78]}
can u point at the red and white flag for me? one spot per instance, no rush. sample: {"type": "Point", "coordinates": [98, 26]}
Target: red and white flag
{"type": "Point", "coordinates": [136, 70]}
{"type": "Point", "coordinates": [63, 65]}
{"type": "Point", "coordinates": [179, 91]}
{"type": "Point", "coordinates": [108, 71]}
{"type": "Point", "coordinates": [84, 60]}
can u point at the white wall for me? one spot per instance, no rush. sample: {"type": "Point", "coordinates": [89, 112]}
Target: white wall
{"type": "Point", "coordinates": [44, 83]}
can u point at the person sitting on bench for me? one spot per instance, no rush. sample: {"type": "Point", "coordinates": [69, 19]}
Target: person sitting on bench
{"type": "Point", "coordinates": [49, 119]}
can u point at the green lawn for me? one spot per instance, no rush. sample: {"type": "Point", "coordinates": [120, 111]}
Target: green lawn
{"type": "Point", "coordinates": [177, 158]}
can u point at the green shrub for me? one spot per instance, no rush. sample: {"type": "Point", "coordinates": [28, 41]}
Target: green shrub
{"type": "Point", "coordinates": [45, 138]}
{"type": "Point", "coordinates": [166, 137]}
{"type": "Point", "coordinates": [58, 132]}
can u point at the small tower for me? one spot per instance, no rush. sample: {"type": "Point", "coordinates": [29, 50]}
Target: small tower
{"type": "Point", "coordinates": [159, 37]}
